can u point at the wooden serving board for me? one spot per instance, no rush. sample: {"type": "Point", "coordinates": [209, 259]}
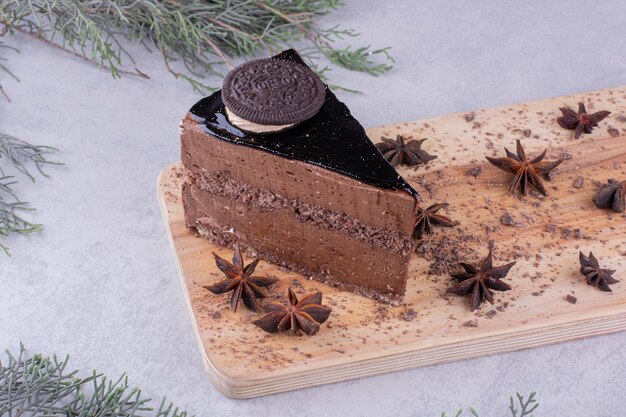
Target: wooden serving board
{"type": "Point", "coordinates": [544, 235]}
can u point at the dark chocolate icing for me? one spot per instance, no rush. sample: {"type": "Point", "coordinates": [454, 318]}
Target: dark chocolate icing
{"type": "Point", "coordinates": [332, 139]}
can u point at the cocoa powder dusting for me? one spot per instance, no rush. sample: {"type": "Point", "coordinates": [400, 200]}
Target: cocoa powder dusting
{"type": "Point", "coordinates": [475, 171]}
{"type": "Point", "coordinates": [444, 252]}
{"type": "Point", "coordinates": [579, 182]}
{"type": "Point", "coordinates": [613, 132]}
{"type": "Point", "coordinates": [409, 315]}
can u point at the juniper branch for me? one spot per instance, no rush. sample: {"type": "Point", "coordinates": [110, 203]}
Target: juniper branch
{"type": "Point", "coordinates": [3, 67]}
{"type": "Point", "coordinates": [527, 407]}
{"type": "Point", "coordinates": [458, 413]}
{"type": "Point", "coordinates": [19, 154]}
{"type": "Point", "coordinates": [11, 208]}
{"type": "Point", "coordinates": [40, 385]}
{"type": "Point", "coordinates": [194, 38]}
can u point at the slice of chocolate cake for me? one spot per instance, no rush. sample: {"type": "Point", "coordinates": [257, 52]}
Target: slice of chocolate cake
{"type": "Point", "coordinates": [276, 161]}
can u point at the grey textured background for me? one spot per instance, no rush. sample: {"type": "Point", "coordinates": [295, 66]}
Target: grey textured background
{"type": "Point", "coordinates": [100, 282]}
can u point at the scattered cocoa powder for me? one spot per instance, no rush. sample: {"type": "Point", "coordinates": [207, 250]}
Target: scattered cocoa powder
{"type": "Point", "coordinates": [503, 307]}
{"type": "Point", "coordinates": [491, 314]}
{"type": "Point", "coordinates": [579, 182]}
{"type": "Point", "coordinates": [475, 171]}
{"type": "Point", "coordinates": [409, 315]}
{"type": "Point", "coordinates": [507, 220]}
{"type": "Point", "coordinates": [444, 252]}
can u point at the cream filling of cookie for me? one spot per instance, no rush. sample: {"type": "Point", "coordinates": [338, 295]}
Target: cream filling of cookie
{"type": "Point", "coordinates": [249, 126]}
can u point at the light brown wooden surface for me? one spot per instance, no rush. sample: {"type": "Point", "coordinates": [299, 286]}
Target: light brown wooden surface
{"type": "Point", "coordinates": [364, 338]}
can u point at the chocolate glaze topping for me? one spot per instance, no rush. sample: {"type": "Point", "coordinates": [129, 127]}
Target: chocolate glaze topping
{"type": "Point", "coordinates": [332, 139]}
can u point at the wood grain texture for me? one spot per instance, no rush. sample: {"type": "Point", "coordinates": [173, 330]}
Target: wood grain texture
{"type": "Point", "coordinates": [364, 338]}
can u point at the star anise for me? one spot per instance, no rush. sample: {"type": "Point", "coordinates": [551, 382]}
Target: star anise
{"type": "Point", "coordinates": [581, 122]}
{"type": "Point", "coordinates": [596, 276]}
{"type": "Point", "coordinates": [611, 195]}
{"type": "Point", "coordinates": [306, 314]}
{"type": "Point", "coordinates": [240, 280]}
{"type": "Point", "coordinates": [480, 281]}
{"type": "Point", "coordinates": [427, 218]}
{"type": "Point", "coordinates": [526, 171]}
{"type": "Point", "coordinates": [400, 152]}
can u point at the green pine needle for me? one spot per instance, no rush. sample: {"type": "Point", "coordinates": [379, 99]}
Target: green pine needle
{"type": "Point", "coordinates": [527, 406]}
{"type": "Point", "coordinates": [20, 155]}
{"type": "Point", "coordinates": [41, 385]}
{"type": "Point", "coordinates": [194, 38]}
{"type": "Point", "coordinates": [11, 221]}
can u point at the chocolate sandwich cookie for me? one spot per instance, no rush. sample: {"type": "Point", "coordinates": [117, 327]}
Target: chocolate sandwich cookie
{"type": "Point", "coordinates": [274, 92]}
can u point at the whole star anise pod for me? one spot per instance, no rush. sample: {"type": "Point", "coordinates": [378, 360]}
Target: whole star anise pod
{"type": "Point", "coordinates": [581, 122]}
{"type": "Point", "coordinates": [480, 281]}
{"type": "Point", "coordinates": [526, 171]}
{"type": "Point", "coordinates": [596, 276]}
{"type": "Point", "coordinates": [240, 281]}
{"type": "Point", "coordinates": [306, 314]}
{"type": "Point", "coordinates": [611, 195]}
{"type": "Point", "coordinates": [400, 152]}
{"type": "Point", "coordinates": [427, 218]}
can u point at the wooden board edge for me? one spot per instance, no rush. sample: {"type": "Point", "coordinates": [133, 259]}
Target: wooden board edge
{"type": "Point", "coordinates": [241, 389]}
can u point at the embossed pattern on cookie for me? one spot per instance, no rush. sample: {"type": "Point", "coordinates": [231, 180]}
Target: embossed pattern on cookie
{"type": "Point", "coordinates": [273, 91]}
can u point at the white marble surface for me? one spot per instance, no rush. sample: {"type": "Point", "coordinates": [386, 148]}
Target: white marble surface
{"type": "Point", "coordinates": [100, 282]}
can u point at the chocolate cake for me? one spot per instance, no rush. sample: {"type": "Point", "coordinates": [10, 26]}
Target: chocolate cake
{"type": "Point", "coordinates": [275, 161]}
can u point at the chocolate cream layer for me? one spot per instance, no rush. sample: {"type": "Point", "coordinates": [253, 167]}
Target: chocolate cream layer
{"type": "Point", "coordinates": [224, 185]}
{"type": "Point", "coordinates": [380, 208]}
{"type": "Point", "coordinates": [282, 237]}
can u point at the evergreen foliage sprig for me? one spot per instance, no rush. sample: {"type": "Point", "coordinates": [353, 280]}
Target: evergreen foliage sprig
{"type": "Point", "coordinates": [40, 385]}
{"type": "Point", "coordinates": [22, 156]}
{"type": "Point", "coordinates": [3, 67]}
{"type": "Point", "coordinates": [526, 407]}
{"type": "Point", "coordinates": [11, 220]}
{"type": "Point", "coordinates": [43, 385]}
{"type": "Point", "coordinates": [20, 153]}
{"type": "Point", "coordinates": [195, 38]}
